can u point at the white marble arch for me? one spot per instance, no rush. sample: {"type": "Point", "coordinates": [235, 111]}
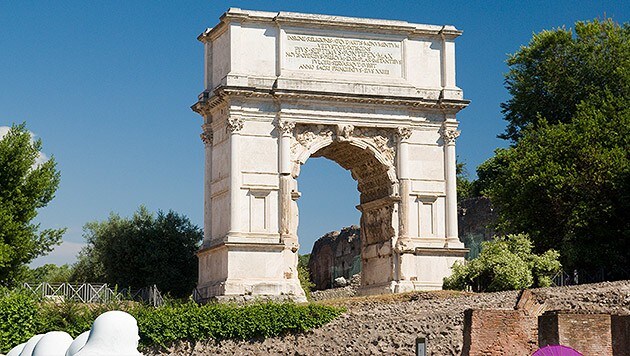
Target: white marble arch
{"type": "Point", "coordinates": [376, 96]}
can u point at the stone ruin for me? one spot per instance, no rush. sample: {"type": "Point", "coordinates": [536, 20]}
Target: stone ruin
{"type": "Point", "coordinates": [378, 97]}
{"type": "Point", "coordinates": [337, 254]}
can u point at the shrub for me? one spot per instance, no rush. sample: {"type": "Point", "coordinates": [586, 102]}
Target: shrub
{"type": "Point", "coordinates": [304, 275]}
{"type": "Point", "coordinates": [18, 318]}
{"type": "Point", "coordinates": [22, 316]}
{"type": "Point", "coordinates": [504, 264]}
{"type": "Point", "coordinates": [224, 321]}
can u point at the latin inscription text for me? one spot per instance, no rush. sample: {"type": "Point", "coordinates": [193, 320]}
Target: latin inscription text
{"type": "Point", "coordinates": [343, 55]}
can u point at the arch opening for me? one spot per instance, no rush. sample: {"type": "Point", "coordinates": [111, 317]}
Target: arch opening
{"type": "Point", "coordinates": [377, 204]}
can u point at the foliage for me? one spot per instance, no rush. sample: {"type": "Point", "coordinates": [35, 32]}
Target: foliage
{"type": "Point", "coordinates": [464, 184]}
{"type": "Point", "coordinates": [18, 318]}
{"type": "Point", "coordinates": [26, 185]}
{"type": "Point", "coordinates": [568, 186]}
{"type": "Point", "coordinates": [303, 260]}
{"type": "Point", "coordinates": [223, 321]}
{"type": "Point", "coordinates": [304, 275]}
{"type": "Point", "coordinates": [565, 180]}
{"type": "Point", "coordinates": [140, 251]}
{"type": "Point", "coordinates": [558, 69]}
{"type": "Point", "coordinates": [22, 316]}
{"type": "Point", "coordinates": [50, 273]}
{"type": "Point", "coordinates": [504, 264]}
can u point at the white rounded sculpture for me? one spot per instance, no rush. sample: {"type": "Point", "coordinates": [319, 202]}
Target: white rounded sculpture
{"type": "Point", "coordinates": [113, 333]}
{"type": "Point", "coordinates": [30, 345]}
{"type": "Point", "coordinates": [78, 343]}
{"type": "Point", "coordinates": [16, 351]}
{"type": "Point", "coordinates": [54, 343]}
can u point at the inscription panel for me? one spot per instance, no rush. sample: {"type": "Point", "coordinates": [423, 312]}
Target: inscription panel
{"type": "Point", "coordinates": [341, 55]}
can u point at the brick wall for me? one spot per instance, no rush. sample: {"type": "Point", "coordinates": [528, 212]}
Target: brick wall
{"type": "Point", "coordinates": [620, 330]}
{"type": "Point", "coordinates": [589, 334]}
{"type": "Point", "coordinates": [499, 332]}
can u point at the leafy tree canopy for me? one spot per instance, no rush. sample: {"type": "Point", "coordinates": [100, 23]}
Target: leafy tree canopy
{"type": "Point", "coordinates": [25, 186]}
{"type": "Point", "coordinates": [561, 68]}
{"type": "Point", "coordinates": [50, 273]}
{"type": "Point", "coordinates": [140, 251]}
{"type": "Point", "coordinates": [565, 180]}
{"type": "Point", "coordinates": [505, 263]}
{"type": "Point", "coordinates": [568, 186]}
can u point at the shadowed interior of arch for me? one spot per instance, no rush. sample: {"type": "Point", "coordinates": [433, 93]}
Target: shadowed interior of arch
{"type": "Point", "coordinates": [371, 175]}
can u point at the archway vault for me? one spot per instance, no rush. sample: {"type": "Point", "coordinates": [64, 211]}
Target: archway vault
{"type": "Point", "coordinates": [367, 152]}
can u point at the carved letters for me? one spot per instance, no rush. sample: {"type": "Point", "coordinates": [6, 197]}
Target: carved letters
{"type": "Point", "coordinates": [343, 55]}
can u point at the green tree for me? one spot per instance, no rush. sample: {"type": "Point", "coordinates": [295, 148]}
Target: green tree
{"type": "Point", "coordinates": [50, 273]}
{"type": "Point", "coordinates": [505, 263]}
{"type": "Point", "coordinates": [568, 186]}
{"type": "Point", "coordinates": [140, 251]}
{"type": "Point", "coordinates": [25, 186]}
{"type": "Point", "coordinates": [560, 68]}
{"type": "Point", "coordinates": [564, 180]}
{"type": "Point", "coordinates": [465, 187]}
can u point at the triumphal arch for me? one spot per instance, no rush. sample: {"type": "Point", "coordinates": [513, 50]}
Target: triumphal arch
{"type": "Point", "coordinates": [376, 96]}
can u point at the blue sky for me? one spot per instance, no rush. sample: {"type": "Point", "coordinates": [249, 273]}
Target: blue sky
{"type": "Point", "coordinates": [107, 86]}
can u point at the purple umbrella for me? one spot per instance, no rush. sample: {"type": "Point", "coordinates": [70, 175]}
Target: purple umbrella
{"type": "Point", "coordinates": [556, 350]}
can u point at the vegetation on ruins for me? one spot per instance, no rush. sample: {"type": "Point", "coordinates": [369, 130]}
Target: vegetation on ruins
{"type": "Point", "coordinates": [304, 275]}
{"type": "Point", "coordinates": [565, 180]}
{"type": "Point", "coordinates": [27, 184]}
{"type": "Point", "coordinates": [506, 263]}
{"type": "Point", "coordinates": [22, 316]}
{"type": "Point", "coordinates": [140, 251]}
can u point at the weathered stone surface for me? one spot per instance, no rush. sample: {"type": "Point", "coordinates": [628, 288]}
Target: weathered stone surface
{"type": "Point", "coordinates": [391, 324]}
{"type": "Point", "coordinates": [336, 254]}
{"type": "Point", "coordinates": [378, 97]}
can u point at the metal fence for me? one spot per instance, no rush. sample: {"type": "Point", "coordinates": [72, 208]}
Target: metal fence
{"type": "Point", "coordinates": [94, 293]}
{"type": "Point", "coordinates": [582, 276]}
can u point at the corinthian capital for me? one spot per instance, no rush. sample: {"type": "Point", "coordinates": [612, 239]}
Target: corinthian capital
{"type": "Point", "coordinates": [206, 137]}
{"type": "Point", "coordinates": [234, 124]}
{"type": "Point", "coordinates": [404, 132]}
{"type": "Point", "coordinates": [286, 127]}
{"type": "Point", "coordinates": [449, 135]}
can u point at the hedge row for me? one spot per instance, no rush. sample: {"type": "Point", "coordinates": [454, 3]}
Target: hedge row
{"type": "Point", "coordinates": [22, 316]}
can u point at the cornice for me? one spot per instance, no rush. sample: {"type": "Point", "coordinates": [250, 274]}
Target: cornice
{"type": "Point", "coordinates": [206, 103]}
{"type": "Point", "coordinates": [283, 18]}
